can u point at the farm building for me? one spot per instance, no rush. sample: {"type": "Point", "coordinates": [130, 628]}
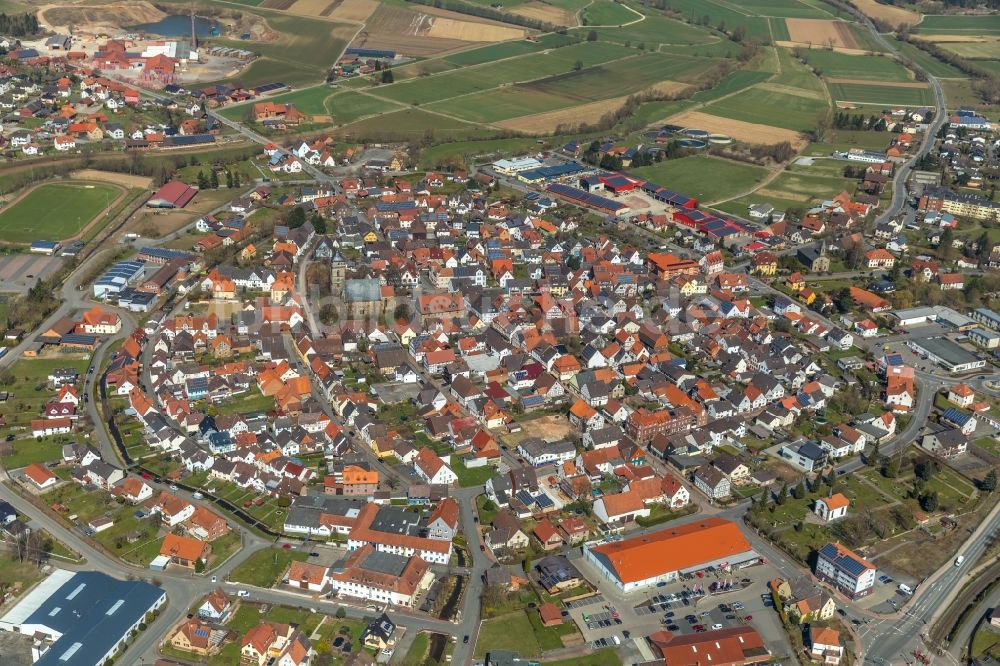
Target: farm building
{"type": "Point", "coordinates": [668, 196]}
{"type": "Point", "coordinates": [516, 166]}
{"type": "Point", "coordinates": [174, 194]}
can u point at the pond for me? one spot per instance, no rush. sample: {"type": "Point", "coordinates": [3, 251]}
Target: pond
{"type": "Point", "coordinates": [177, 26]}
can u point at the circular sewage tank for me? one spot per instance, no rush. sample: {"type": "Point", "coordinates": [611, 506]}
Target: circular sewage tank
{"type": "Point", "coordinates": [720, 139]}
{"type": "Point", "coordinates": [671, 129]}
{"type": "Point", "coordinates": [695, 133]}
{"type": "Point", "coordinates": [692, 143]}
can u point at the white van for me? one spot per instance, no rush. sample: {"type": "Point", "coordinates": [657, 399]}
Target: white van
{"type": "Point", "coordinates": [905, 589]}
{"type": "Point", "coordinates": [959, 560]}
{"type": "Point", "coordinates": [617, 640]}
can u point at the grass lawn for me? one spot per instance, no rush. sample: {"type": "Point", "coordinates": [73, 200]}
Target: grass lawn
{"type": "Point", "coordinates": [549, 638]}
{"type": "Point", "coordinates": [349, 106]}
{"type": "Point", "coordinates": [485, 515]}
{"type": "Point", "coordinates": [476, 476]}
{"type": "Point", "coordinates": [249, 402]}
{"type": "Point", "coordinates": [767, 107]}
{"type": "Point", "coordinates": [508, 632]}
{"type": "Point", "coordinates": [802, 187]}
{"type": "Point", "coordinates": [29, 390]}
{"type": "Point", "coordinates": [494, 52]}
{"type": "Point", "coordinates": [501, 104]}
{"type": "Point", "coordinates": [54, 211]}
{"type": "Point", "coordinates": [263, 568]}
{"type": "Point", "coordinates": [28, 451]}
{"type": "Point", "coordinates": [412, 123]}
{"type": "Point", "coordinates": [418, 649]}
{"type": "Point", "coordinates": [16, 573]}
{"type": "Point", "coordinates": [841, 66]}
{"type": "Point", "coordinates": [657, 29]}
{"type": "Point", "coordinates": [705, 178]}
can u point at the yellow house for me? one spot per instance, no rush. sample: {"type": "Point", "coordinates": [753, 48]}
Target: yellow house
{"type": "Point", "coordinates": [371, 237]}
{"type": "Point", "coordinates": [765, 263]}
{"type": "Point", "coordinates": [248, 253]}
{"type": "Point", "coordinates": [796, 282]}
{"type": "Point", "coordinates": [807, 296]}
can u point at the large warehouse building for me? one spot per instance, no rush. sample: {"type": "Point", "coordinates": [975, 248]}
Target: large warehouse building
{"type": "Point", "coordinates": [645, 560]}
{"type": "Point", "coordinates": [81, 619]}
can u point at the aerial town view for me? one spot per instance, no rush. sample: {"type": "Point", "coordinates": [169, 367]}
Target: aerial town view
{"type": "Point", "coordinates": [499, 333]}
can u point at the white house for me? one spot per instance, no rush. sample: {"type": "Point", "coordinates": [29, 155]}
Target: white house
{"type": "Point", "coordinates": [432, 469]}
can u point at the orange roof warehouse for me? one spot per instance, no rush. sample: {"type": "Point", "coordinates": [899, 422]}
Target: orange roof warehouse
{"type": "Point", "coordinates": [645, 560]}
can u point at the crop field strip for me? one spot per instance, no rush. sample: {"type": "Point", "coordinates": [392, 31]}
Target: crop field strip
{"type": "Point", "coordinates": [765, 107]}
{"type": "Point", "coordinates": [959, 25]}
{"type": "Point", "coordinates": [881, 94]}
{"type": "Point", "coordinates": [838, 65]}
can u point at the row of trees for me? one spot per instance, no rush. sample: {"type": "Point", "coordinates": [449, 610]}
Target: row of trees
{"type": "Point", "coordinates": [212, 180]}
{"type": "Point", "coordinates": [18, 25]}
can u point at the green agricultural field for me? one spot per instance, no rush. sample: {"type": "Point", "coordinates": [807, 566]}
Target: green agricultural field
{"type": "Point", "coordinates": [794, 74]}
{"type": "Point", "coordinates": [973, 50]}
{"type": "Point", "coordinates": [618, 78]}
{"type": "Point", "coordinates": [705, 178]}
{"type": "Point", "coordinates": [442, 154]}
{"type": "Point", "coordinates": [932, 65]}
{"type": "Point", "coordinates": [308, 100]}
{"type": "Point", "coordinates": [770, 108]}
{"type": "Point", "coordinates": [494, 52]}
{"type": "Point", "coordinates": [876, 94]}
{"type": "Point", "coordinates": [959, 25]}
{"type": "Point", "coordinates": [725, 13]}
{"type": "Point", "coordinates": [413, 123]}
{"type": "Point", "coordinates": [779, 30]}
{"type": "Point", "coordinates": [265, 70]}
{"type": "Point", "coordinates": [606, 12]}
{"type": "Point", "coordinates": [350, 106]}
{"type": "Point", "coordinates": [411, 70]}
{"type": "Point", "coordinates": [502, 103]}
{"type": "Point", "coordinates": [782, 9]}
{"type": "Point", "coordinates": [657, 29]}
{"type": "Point", "coordinates": [738, 80]}
{"type": "Point", "coordinates": [54, 211]}
{"type": "Point", "coordinates": [840, 66]}
{"type": "Point", "coordinates": [486, 77]}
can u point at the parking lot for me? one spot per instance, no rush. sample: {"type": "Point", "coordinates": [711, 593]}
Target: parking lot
{"type": "Point", "coordinates": [672, 607]}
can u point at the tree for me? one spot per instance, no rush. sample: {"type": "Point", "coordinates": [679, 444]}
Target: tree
{"type": "Point", "coordinates": [202, 181]}
{"type": "Point", "coordinates": [319, 223]}
{"type": "Point", "coordinates": [236, 179]}
{"type": "Point", "coordinates": [573, 262]}
{"type": "Point", "coordinates": [592, 36]}
{"type": "Point", "coordinates": [989, 482]}
{"type": "Point", "coordinates": [925, 469]}
{"type": "Point", "coordinates": [388, 76]}
{"type": "Point", "coordinates": [945, 249]}
{"type": "Point", "coordinates": [782, 494]}
{"type": "Point", "coordinates": [930, 501]}
{"type": "Point", "coordinates": [402, 311]}
{"type": "Point", "coordinates": [229, 179]}
{"type": "Point", "coordinates": [341, 613]}
{"type": "Point", "coordinates": [296, 218]}
{"type": "Point", "coordinates": [199, 566]}
{"type": "Point", "coordinates": [578, 65]}
{"type": "Point", "coordinates": [875, 456]}
{"type": "Point", "coordinates": [214, 179]}
{"type": "Point", "coordinates": [799, 491]}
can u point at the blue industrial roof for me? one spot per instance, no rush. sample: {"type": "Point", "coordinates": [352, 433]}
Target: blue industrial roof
{"type": "Point", "coordinates": [585, 198]}
{"type": "Point", "coordinates": [93, 612]}
{"type": "Point", "coordinates": [44, 244]}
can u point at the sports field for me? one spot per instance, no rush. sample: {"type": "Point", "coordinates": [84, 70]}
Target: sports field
{"type": "Point", "coordinates": [767, 107]}
{"type": "Point", "coordinates": [876, 94]}
{"type": "Point", "coordinates": [705, 178]}
{"type": "Point", "coordinates": [838, 65]}
{"type": "Point", "coordinates": [55, 211]}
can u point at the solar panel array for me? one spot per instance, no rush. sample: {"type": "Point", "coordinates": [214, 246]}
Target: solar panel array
{"type": "Point", "coordinates": [270, 87]}
{"type": "Point", "coordinates": [668, 196]}
{"type": "Point", "coordinates": [585, 198]}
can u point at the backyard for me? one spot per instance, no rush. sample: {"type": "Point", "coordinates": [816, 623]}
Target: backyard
{"type": "Point", "coordinates": [265, 567]}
